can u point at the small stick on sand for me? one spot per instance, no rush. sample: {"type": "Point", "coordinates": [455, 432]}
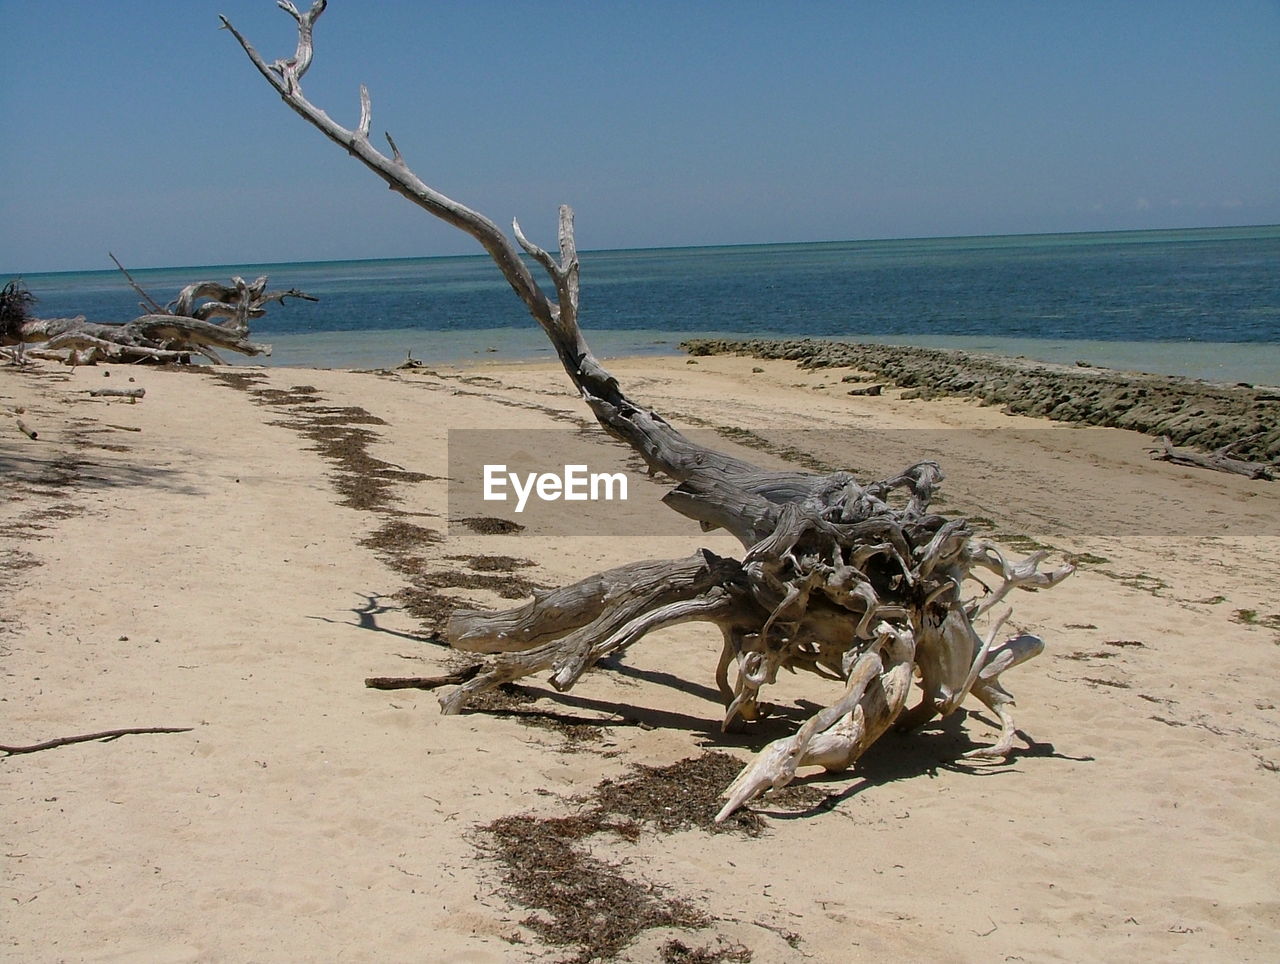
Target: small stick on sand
{"type": "Point", "coordinates": [87, 737]}
{"type": "Point", "coordinates": [22, 426]}
{"type": "Point", "coordinates": [423, 682]}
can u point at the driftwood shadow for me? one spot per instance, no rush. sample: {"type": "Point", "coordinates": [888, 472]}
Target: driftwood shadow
{"type": "Point", "coordinates": [628, 714]}
{"type": "Point", "coordinates": [896, 757]}
{"type": "Point", "coordinates": [907, 756]}
{"type": "Point", "coordinates": [614, 664]}
{"type": "Point", "coordinates": [45, 472]}
{"type": "Point", "coordinates": [366, 618]}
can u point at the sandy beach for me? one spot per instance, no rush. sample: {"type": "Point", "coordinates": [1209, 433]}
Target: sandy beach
{"type": "Point", "coordinates": [237, 552]}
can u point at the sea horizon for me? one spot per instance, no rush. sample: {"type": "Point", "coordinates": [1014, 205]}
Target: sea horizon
{"type": "Point", "coordinates": [1202, 302]}
{"type": "Point", "coordinates": [1132, 234]}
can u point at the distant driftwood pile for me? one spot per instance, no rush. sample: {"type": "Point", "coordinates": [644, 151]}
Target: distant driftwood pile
{"type": "Point", "coordinates": [859, 583]}
{"type": "Point", "coordinates": [205, 318]}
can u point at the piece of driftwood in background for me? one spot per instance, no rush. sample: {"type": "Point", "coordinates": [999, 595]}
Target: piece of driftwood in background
{"type": "Point", "coordinates": [16, 414]}
{"type": "Point", "coordinates": [1218, 460]}
{"type": "Point", "coordinates": [205, 318]}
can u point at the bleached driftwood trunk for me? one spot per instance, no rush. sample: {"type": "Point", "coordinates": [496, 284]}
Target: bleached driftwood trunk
{"type": "Point", "coordinates": [860, 583]}
{"type": "Point", "coordinates": [1219, 460]}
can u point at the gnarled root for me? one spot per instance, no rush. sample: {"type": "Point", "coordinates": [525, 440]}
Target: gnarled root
{"type": "Point", "coordinates": [845, 586]}
{"type": "Point", "coordinates": [568, 630]}
{"type": "Point", "coordinates": [995, 697]}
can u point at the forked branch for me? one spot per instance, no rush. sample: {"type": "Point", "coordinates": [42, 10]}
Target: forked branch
{"type": "Point", "coordinates": [286, 76]}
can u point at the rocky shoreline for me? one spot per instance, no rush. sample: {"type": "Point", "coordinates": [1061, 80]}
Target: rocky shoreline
{"type": "Point", "coordinates": [1204, 415]}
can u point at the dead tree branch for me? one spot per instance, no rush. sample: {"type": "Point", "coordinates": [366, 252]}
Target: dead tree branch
{"type": "Point", "coordinates": [423, 682]}
{"type": "Point", "coordinates": [861, 583]}
{"type": "Point", "coordinates": [148, 304]}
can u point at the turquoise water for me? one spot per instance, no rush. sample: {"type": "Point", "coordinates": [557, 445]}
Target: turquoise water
{"type": "Point", "coordinates": [1201, 302]}
{"type": "Point", "coordinates": [1254, 362]}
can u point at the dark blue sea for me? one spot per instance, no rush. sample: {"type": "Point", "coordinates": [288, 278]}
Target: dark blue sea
{"type": "Point", "coordinates": [1204, 302]}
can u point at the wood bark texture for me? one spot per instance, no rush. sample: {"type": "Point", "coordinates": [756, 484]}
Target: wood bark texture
{"type": "Point", "coordinates": [861, 583]}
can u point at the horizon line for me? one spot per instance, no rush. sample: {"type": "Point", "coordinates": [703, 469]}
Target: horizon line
{"type": "Point", "coordinates": [666, 247]}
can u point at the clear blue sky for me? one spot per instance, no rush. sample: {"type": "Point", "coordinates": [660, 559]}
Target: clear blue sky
{"type": "Point", "coordinates": [138, 127]}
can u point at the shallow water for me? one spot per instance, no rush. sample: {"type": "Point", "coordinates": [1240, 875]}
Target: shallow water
{"type": "Point", "coordinates": [1202, 302]}
{"type": "Point", "coordinates": [1254, 363]}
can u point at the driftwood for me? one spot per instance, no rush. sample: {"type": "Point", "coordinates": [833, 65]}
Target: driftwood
{"type": "Point", "coordinates": [856, 582]}
{"type": "Point", "coordinates": [148, 304]}
{"type": "Point", "coordinates": [150, 338]}
{"type": "Point", "coordinates": [410, 363]}
{"type": "Point", "coordinates": [130, 393]}
{"type": "Point", "coordinates": [16, 414]}
{"type": "Point", "coordinates": [205, 318]}
{"type": "Point", "coordinates": [1218, 460]}
{"type": "Point", "coordinates": [422, 682]}
{"type": "Point", "coordinates": [89, 737]}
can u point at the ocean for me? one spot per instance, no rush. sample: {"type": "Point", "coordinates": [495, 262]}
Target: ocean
{"type": "Point", "coordinates": [1202, 302]}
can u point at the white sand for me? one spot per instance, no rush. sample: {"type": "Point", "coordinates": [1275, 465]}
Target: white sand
{"type": "Point", "coordinates": [204, 575]}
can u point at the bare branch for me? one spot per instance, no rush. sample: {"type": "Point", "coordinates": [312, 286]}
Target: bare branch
{"type": "Point", "coordinates": [538, 254]}
{"type": "Point", "coordinates": [16, 414]}
{"type": "Point", "coordinates": [393, 170]}
{"type": "Point", "coordinates": [88, 737]}
{"type": "Point", "coordinates": [396, 157]}
{"type": "Point", "coordinates": [838, 579]}
{"type": "Point", "coordinates": [568, 285]}
{"type": "Point", "coordinates": [423, 682]}
{"type": "Point", "coordinates": [149, 303]}
{"type": "Point", "coordinates": [366, 114]}
{"type": "Point", "coordinates": [293, 69]}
